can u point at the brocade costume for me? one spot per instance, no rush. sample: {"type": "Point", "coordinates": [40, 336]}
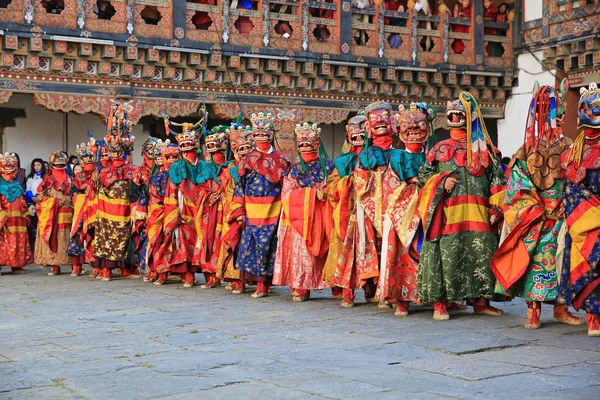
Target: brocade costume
{"type": "Point", "coordinates": [581, 268]}
{"type": "Point", "coordinates": [460, 237]}
{"type": "Point", "coordinates": [112, 238]}
{"type": "Point", "coordinates": [55, 216]}
{"type": "Point", "coordinates": [529, 253]}
{"type": "Point", "coordinates": [15, 250]}
{"type": "Point", "coordinates": [305, 226]}
{"type": "Point", "coordinates": [259, 193]}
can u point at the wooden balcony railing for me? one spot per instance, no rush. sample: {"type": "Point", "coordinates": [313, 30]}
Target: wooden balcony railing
{"type": "Point", "coordinates": [331, 29]}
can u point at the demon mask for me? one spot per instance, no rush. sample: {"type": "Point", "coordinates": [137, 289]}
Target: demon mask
{"type": "Point", "coordinates": [262, 127]}
{"type": "Point", "coordinates": [240, 137]}
{"type": "Point", "coordinates": [588, 112]}
{"type": "Point", "coordinates": [308, 138]}
{"type": "Point", "coordinates": [355, 131]}
{"type": "Point", "coordinates": [414, 124]}
{"type": "Point", "coordinates": [8, 166]}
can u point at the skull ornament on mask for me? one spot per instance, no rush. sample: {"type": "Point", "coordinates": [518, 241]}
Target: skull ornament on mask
{"type": "Point", "coordinates": [157, 150]}
{"type": "Point", "coordinates": [262, 129]}
{"type": "Point", "coordinates": [308, 138]}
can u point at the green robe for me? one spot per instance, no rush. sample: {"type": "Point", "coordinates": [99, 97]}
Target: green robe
{"type": "Point", "coordinates": [459, 241]}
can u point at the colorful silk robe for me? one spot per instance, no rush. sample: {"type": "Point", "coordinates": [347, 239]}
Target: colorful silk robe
{"type": "Point", "coordinates": [525, 263]}
{"type": "Point", "coordinates": [232, 229]}
{"type": "Point", "coordinates": [368, 183]}
{"type": "Point", "coordinates": [55, 218]}
{"type": "Point", "coordinates": [84, 203]}
{"type": "Point", "coordinates": [157, 258]}
{"type": "Point", "coordinates": [209, 218]}
{"type": "Point", "coordinates": [139, 214]}
{"type": "Point", "coordinates": [340, 266]}
{"type": "Point", "coordinates": [259, 193]}
{"type": "Point", "coordinates": [15, 250]}
{"type": "Point", "coordinates": [459, 240]}
{"type": "Point", "coordinates": [304, 230]}
{"type": "Point", "coordinates": [181, 204]}
{"type": "Point", "coordinates": [112, 239]}
{"type": "Point", "coordinates": [580, 273]}
{"type": "Point", "coordinates": [401, 236]}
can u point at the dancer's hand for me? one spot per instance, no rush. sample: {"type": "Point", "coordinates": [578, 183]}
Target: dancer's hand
{"type": "Point", "coordinates": [450, 184]}
{"type": "Point", "coordinates": [493, 219]}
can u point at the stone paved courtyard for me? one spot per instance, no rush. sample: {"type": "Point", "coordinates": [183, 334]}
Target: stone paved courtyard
{"type": "Point", "coordinates": [76, 338]}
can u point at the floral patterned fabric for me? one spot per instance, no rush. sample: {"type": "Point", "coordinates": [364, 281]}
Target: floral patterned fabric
{"type": "Point", "coordinates": [401, 233]}
{"type": "Point", "coordinates": [295, 265]}
{"type": "Point", "coordinates": [15, 250]}
{"type": "Point", "coordinates": [156, 256]}
{"type": "Point", "coordinates": [455, 261]}
{"type": "Point", "coordinates": [539, 279]}
{"type": "Point", "coordinates": [259, 193]}
{"type": "Point", "coordinates": [583, 292]}
{"type": "Point", "coordinates": [112, 247]}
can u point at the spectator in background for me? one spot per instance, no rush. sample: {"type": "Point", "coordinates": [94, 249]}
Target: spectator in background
{"type": "Point", "coordinates": [282, 27]}
{"type": "Point", "coordinates": [73, 161]}
{"type": "Point", "coordinates": [395, 40]}
{"type": "Point", "coordinates": [21, 173]}
{"type": "Point", "coordinates": [34, 179]}
{"type": "Point", "coordinates": [360, 35]}
{"type": "Point", "coordinates": [32, 223]}
{"type": "Point", "coordinates": [442, 9]}
{"type": "Point", "coordinates": [502, 17]}
{"type": "Point", "coordinates": [77, 169]}
{"type": "Point", "coordinates": [490, 11]}
{"type": "Point", "coordinates": [321, 32]}
{"type": "Point", "coordinates": [462, 9]}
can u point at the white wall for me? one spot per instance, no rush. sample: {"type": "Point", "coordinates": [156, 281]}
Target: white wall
{"type": "Point", "coordinates": [511, 129]}
{"type": "Point", "coordinates": [533, 9]}
{"type": "Point", "coordinates": [43, 132]}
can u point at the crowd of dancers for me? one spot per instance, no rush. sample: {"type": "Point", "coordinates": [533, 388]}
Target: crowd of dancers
{"type": "Point", "coordinates": [403, 218]}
